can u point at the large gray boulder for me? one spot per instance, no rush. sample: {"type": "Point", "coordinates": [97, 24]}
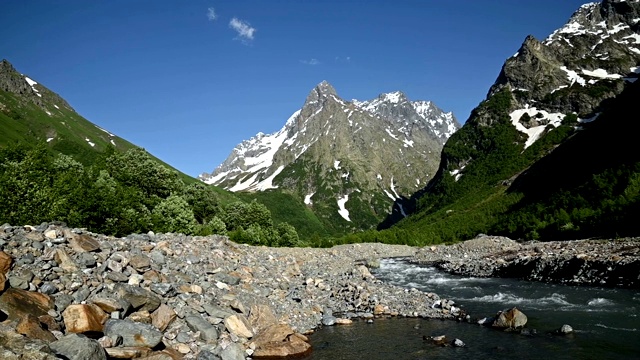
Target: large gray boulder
{"type": "Point", "coordinates": [78, 347]}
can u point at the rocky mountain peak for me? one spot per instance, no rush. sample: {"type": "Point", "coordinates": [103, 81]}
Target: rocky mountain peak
{"type": "Point", "coordinates": [598, 47]}
{"type": "Point", "coordinates": [5, 67]}
{"type": "Point", "coordinates": [322, 91]}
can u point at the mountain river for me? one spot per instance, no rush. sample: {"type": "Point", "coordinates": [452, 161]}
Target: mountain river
{"type": "Point", "coordinates": [606, 321]}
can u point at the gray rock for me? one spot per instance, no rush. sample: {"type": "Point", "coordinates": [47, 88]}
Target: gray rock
{"type": "Point", "coordinates": [208, 332]}
{"type": "Point", "coordinates": [87, 260]}
{"type": "Point", "coordinates": [78, 347]}
{"type": "Point", "coordinates": [233, 352]}
{"type": "Point", "coordinates": [139, 298]}
{"type": "Point", "coordinates": [328, 320]}
{"type": "Point", "coordinates": [164, 289]}
{"type": "Point", "coordinates": [227, 278]}
{"type": "Point", "coordinates": [133, 334]}
{"type": "Point", "coordinates": [216, 312]}
{"type": "Point", "coordinates": [48, 288]}
{"type": "Point", "coordinates": [565, 329]}
{"type": "Point", "coordinates": [207, 355]}
{"type": "Point", "coordinates": [62, 301]}
{"type": "Point", "coordinates": [458, 343]}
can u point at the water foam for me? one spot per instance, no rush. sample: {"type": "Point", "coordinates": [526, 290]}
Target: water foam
{"type": "Point", "coordinates": [600, 302]}
{"type": "Point", "coordinates": [615, 328]}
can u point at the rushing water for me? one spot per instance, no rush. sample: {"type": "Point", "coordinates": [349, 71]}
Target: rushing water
{"type": "Point", "coordinates": [606, 321]}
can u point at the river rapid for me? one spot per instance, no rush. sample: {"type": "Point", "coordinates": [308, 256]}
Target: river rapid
{"type": "Point", "coordinates": [606, 321]}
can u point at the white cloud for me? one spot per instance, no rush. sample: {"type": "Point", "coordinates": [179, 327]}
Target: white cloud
{"type": "Point", "coordinates": [310, 62]}
{"type": "Point", "coordinates": [211, 14]}
{"type": "Point", "coordinates": [244, 29]}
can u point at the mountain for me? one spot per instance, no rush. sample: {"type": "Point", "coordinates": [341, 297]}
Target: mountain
{"type": "Point", "coordinates": [547, 154]}
{"type": "Point", "coordinates": [31, 113]}
{"type": "Point", "coordinates": [349, 161]}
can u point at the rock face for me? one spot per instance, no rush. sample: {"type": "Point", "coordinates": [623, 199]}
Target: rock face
{"type": "Point", "coordinates": [239, 299]}
{"type": "Point", "coordinates": [333, 154]}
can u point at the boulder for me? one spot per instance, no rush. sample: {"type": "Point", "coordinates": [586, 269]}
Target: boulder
{"type": "Point", "coordinates": [84, 243]}
{"type": "Point", "coordinates": [78, 347]}
{"type": "Point", "coordinates": [208, 332]}
{"type": "Point", "coordinates": [82, 318]}
{"type": "Point", "coordinates": [64, 261]}
{"type": "Point", "coordinates": [279, 341]}
{"type": "Point", "coordinates": [510, 319]}
{"type": "Point", "coordinates": [139, 298]}
{"type": "Point", "coordinates": [261, 317]}
{"type": "Point", "coordinates": [565, 329]}
{"type": "Point", "coordinates": [239, 326]}
{"type": "Point", "coordinates": [162, 317]}
{"type": "Point", "coordinates": [31, 327]}
{"type": "Point", "coordinates": [17, 303]}
{"type": "Point", "coordinates": [133, 334]}
{"type": "Point", "coordinates": [5, 263]}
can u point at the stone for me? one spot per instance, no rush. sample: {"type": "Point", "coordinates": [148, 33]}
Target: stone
{"type": "Point", "coordinates": [129, 352]}
{"type": "Point", "coordinates": [82, 318]}
{"type": "Point", "coordinates": [164, 289]}
{"type": "Point", "coordinates": [510, 319]}
{"type": "Point", "coordinates": [261, 317]}
{"type": "Point", "coordinates": [31, 327]}
{"type": "Point", "coordinates": [84, 243]}
{"type": "Point", "coordinates": [328, 320]}
{"type": "Point", "coordinates": [216, 311]}
{"type": "Point", "coordinates": [458, 343]}
{"type": "Point", "coordinates": [378, 310]}
{"type": "Point", "coordinates": [238, 325]}
{"type": "Point", "coordinates": [207, 355]}
{"type": "Point", "coordinates": [5, 262]}
{"type": "Point", "coordinates": [342, 321]}
{"type": "Point", "coordinates": [48, 288]}
{"type": "Point", "coordinates": [20, 279]}
{"type": "Point", "coordinates": [233, 351]}
{"type": "Point", "coordinates": [110, 304]}
{"type": "Point", "coordinates": [78, 347]}
{"type": "Point", "coordinates": [208, 332]}
{"type": "Point", "coordinates": [140, 262]}
{"type": "Point", "coordinates": [183, 348]}
{"type": "Point", "coordinates": [162, 317]}
{"type": "Point", "coordinates": [17, 303]}
{"type": "Point", "coordinates": [3, 282]}
{"type": "Point", "coordinates": [139, 298]}
{"type": "Point", "coordinates": [133, 334]}
{"type": "Point", "coordinates": [565, 329]}
{"type": "Point", "coordinates": [141, 316]}
{"type": "Point", "coordinates": [65, 261]}
{"type": "Point", "coordinates": [279, 340]}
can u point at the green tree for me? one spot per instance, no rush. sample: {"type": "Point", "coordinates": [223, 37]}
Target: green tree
{"type": "Point", "coordinates": [173, 214]}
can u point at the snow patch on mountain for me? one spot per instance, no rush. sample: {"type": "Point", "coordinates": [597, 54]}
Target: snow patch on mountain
{"type": "Point", "coordinates": [534, 133]}
{"type": "Point", "coordinates": [267, 183]}
{"type": "Point", "coordinates": [342, 210]}
{"type": "Point", "coordinates": [32, 84]}
{"type": "Point", "coordinates": [307, 199]}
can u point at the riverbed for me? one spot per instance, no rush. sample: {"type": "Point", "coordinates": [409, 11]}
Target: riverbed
{"type": "Point", "coordinates": [605, 321]}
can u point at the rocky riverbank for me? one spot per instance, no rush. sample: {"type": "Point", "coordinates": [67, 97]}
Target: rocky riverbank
{"type": "Point", "coordinates": [611, 263]}
{"type": "Point", "coordinates": [169, 296]}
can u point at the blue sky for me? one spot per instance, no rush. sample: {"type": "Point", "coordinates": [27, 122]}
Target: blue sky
{"type": "Point", "coordinates": [188, 80]}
